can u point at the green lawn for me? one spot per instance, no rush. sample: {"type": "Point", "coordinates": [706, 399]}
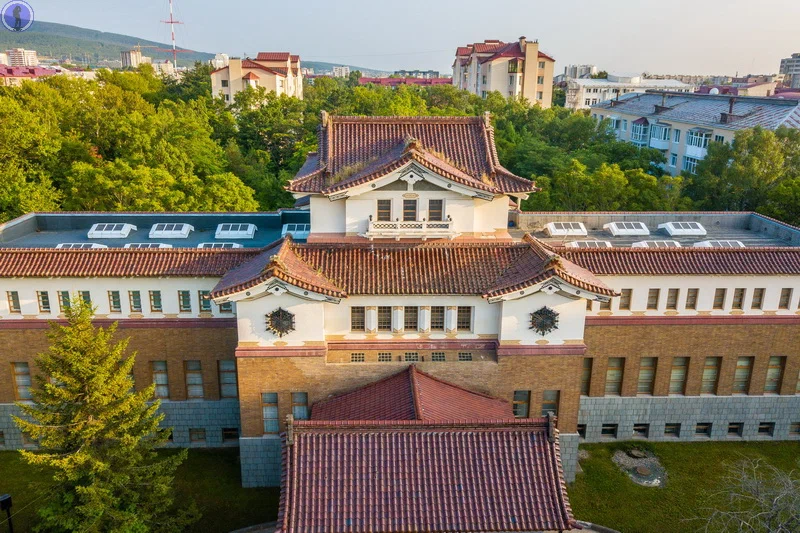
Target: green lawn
{"type": "Point", "coordinates": [604, 495]}
{"type": "Point", "coordinates": [211, 477]}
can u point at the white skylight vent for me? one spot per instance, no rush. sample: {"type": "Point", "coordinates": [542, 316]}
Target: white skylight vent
{"type": "Point", "coordinates": [683, 228]}
{"type": "Point", "coordinates": [297, 231]}
{"type": "Point", "coordinates": [561, 229]}
{"type": "Point", "coordinates": [626, 228]}
{"type": "Point", "coordinates": [235, 231]}
{"type": "Point", "coordinates": [656, 244]}
{"type": "Point", "coordinates": [147, 245]}
{"type": "Point", "coordinates": [719, 244]}
{"type": "Point", "coordinates": [170, 231]}
{"type": "Point", "coordinates": [589, 244]}
{"type": "Point", "coordinates": [80, 246]}
{"type": "Point", "coordinates": [219, 245]}
{"type": "Point", "coordinates": [110, 231]}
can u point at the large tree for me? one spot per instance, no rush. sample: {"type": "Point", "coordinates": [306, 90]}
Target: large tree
{"type": "Point", "coordinates": [99, 436]}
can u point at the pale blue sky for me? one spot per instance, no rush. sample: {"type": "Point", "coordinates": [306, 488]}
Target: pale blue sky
{"type": "Point", "coordinates": [676, 36]}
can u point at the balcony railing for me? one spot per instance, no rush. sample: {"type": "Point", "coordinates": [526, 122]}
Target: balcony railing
{"type": "Point", "coordinates": [410, 229]}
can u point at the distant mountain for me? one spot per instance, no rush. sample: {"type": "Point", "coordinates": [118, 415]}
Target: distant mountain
{"type": "Point", "coordinates": [62, 41]}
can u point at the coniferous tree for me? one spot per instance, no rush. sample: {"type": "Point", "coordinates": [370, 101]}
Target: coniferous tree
{"type": "Point", "coordinates": [99, 436]}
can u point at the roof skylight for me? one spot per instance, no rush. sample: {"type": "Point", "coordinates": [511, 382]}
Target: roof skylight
{"type": "Point", "coordinates": [656, 244]}
{"type": "Point", "coordinates": [80, 246]}
{"type": "Point", "coordinates": [235, 231]}
{"type": "Point", "coordinates": [147, 245]}
{"type": "Point", "coordinates": [560, 229]}
{"type": "Point", "coordinates": [683, 228]}
{"type": "Point", "coordinates": [626, 228]}
{"type": "Point", "coordinates": [170, 231]}
{"type": "Point", "coordinates": [719, 244]}
{"type": "Point", "coordinates": [297, 231]}
{"type": "Point", "coordinates": [589, 244]}
{"type": "Point", "coordinates": [110, 231]}
{"type": "Point", "coordinates": [219, 245]}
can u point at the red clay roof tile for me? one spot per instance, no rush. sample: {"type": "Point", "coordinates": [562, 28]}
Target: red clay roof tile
{"type": "Point", "coordinates": [273, 56]}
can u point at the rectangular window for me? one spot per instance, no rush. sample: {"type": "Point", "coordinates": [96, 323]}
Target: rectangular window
{"type": "Point", "coordinates": [672, 298]}
{"type": "Point", "coordinates": [741, 377]}
{"type": "Point", "coordinates": [226, 307]}
{"type": "Point", "coordinates": [43, 298]}
{"type": "Point", "coordinates": [230, 434]}
{"type": "Point", "coordinates": [269, 412]}
{"type": "Point", "coordinates": [786, 298]}
{"type": "Point", "coordinates": [550, 402]}
{"type": "Point", "coordinates": [677, 137]}
{"type": "Point", "coordinates": [614, 373]}
{"type": "Point", "coordinates": [384, 318]}
{"type": "Point", "coordinates": [204, 297]}
{"type": "Point", "coordinates": [135, 301]}
{"type": "Point", "coordinates": [586, 376]}
{"type": "Point", "coordinates": [194, 379]}
{"type": "Point", "coordinates": [228, 387]}
{"type": "Point", "coordinates": [606, 305]}
{"type": "Point", "coordinates": [625, 299]}
{"type": "Point", "coordinates": [436, 210]}
{"type": "Point", "coordinates": [672, 430]}
{"type": "Point", "coordinates": [411, 357]}
{"type": "Point", "coordinates": [464, 318]}
{"type": "Point", "coordinates": [647, 376]}
{"type": "Point", "coordinates": [582, 431]}
{"type": "Point", "coordinates": [719, 139]}
{"type": "Point", "coordinates": [184, 301]}
{"type": "Point", "coordinates": [673, 160]}
{"type": "Point", "coordinates": [160, 378]}
{"type": "Point", "coordinates": [409, 210]}
{"type": "Point", "coordinates": [758, 299]}
{"type": "Point", "coordinates": [411, 318]}
{"type": "Point", "coordinates": [300, 405]}
{"type": "Point", "coordinates": [738, 298]}
{"type": "Point", "coordinates": [13, 302]}
{"type": "Point", "coordinates": [384, 210]}
{"type": "Point", "coordinates": [766, 429]}
{"type": "Point", "coordinates": [652, 298]}
{"type": "Point", "coordinates": [197, 435]}
{"type": "Point", "coordinates": [224, 83]}
{"type": "Point", "coordinates": [114, 302]}
{"type": "Point", "coordinates": [155, 302]}
{"type": "Point", "coordinates": [641, 431]}
{"type": "Point", "coordinates": [522, 402]}
{"type": "Point", "coordinates": [22, 380]}
{"type": "Point", "coordinates": [384, 357]}
{"type": "Point", "coordinates": [691, 298]}
{"type": "Point", "coordinates": [64, 301]}
{"type": "Point", "coordinates": [690, 164]}
{"type": "Point", "coordinates": [710, 375]}
{"type": "Point", "coordinates": [774, 374]}
{"type": "Point", "coordinates": [358, 319]}
{"type": "Point", "coordinates": [589, 305]}
{"type": "Point", "coordinates": [464, 356]}
{"type": "Point", "coordinates": [703, 429]}
{"type": "Point", "coordinates": [540, 80]}
{"type": "Point", "coordinates": [357, 357]}
{"type": "Point", "coordinates": [735, 429]}
{"type": "Point", "coordinates": [719, 298]}
{"type": "Point", "coordinates": [794, 429]}
{"type": "Point", "coordinates": [609, 431]}
{"type": "Point", "coordinates": [86, 296]}
{"type": "Point", "coordinates": [677, 375]}
{"type": "Point", "coordinates": [437, 318]}
{"type": "Point", "coordinates": [438, 357]}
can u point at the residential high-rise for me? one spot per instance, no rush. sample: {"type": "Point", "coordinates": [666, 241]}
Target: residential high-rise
{"type": "Point", "coordinates": [20, 57]}
{"type": "Point", "coordinates": [341, 72]}
{"type": "Point", "coordinates": [134, 58]}
{"type": "Point", "coordinates": [790, 68]}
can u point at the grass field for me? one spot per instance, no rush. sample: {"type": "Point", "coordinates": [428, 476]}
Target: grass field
{"type": "Point", "coordinates": [604, 495]}
{"type": "Point", "coordinates": [210, 477]}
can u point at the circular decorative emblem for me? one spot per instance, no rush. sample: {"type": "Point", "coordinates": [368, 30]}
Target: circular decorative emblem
{"type": "Point", "coordinates": [17, 15]}
{"type": "Point", "coordinates": [280, 322]}
{"type": "Point", "coordinates": [544, 321]}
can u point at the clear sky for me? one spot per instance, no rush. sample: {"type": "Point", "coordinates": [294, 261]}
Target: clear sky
{"type": "Point", "coordinates": [676, 36]}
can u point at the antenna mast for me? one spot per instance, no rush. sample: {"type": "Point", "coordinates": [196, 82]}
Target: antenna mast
{"type": "Point", "coordinates": [172, 23]}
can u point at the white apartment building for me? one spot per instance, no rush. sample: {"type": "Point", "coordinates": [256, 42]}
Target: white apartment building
{"type": "Point", "coordinates": [20, 57]}
{"type": "Point", "coordinates": [683, 125]}
{"type": "Point", "coordinates": [134, 58]}
{"type": "Point", "coordinates": [4, 59]}
{"type": "Point", "coordinates": [275, 71]}
{"type": "Point", "coordinates": [341, 72]}
{"type": "Point", "coordinates": [516, 69]}
{"type": "Point", "coordinates": [790, 68]}
{"type": "Point", "coordinates": [579, 71]}
{"type": "Point", "coordinates": [582, 93]}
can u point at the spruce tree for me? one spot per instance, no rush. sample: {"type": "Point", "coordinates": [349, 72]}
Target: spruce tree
{"type": "Point", "coordinates": [99, 436]}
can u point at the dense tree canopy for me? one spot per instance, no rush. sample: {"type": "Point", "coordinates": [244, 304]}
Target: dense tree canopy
{"type": "Point", "coordinates": [133, 140]}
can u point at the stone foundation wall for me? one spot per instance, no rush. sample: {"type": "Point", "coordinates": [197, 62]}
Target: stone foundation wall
{"type": "Point", "coordinates": [261, 462]}
{"type": "Point", "coordinates": [568, 444]}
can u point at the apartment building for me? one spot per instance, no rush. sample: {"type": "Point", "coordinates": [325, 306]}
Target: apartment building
{"type": "Point", "coordinates": [582, 93]}
{"type": "Point", "coordinates": [20, 57]}
{"type": "Point", "coordinates": [579, 71]}
{"type": "Point", "coordinates": [517, 69]}
{"type": "Point", "coordinates": [424, 74]}
{"type": "Point", "coordinates": [279, 72]}
{"type": "Point", "coordinates": [14, 76]}
{"type": "Point", "coordinates": [134, 58]}
{"type": "Point", "coordinates": [341, 72]}
{"type": "Point", "coordinates": [682, 125]}
{"type": "Point", "coordinates": [790, 68]}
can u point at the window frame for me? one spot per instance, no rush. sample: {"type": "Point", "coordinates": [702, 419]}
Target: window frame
{"type": "Point", "coordinates": [380, 211]}
{"type": "Point", "coordinates": [221, 372]}
{"type": "Point", "coordinates": [648, 383]}
{"type": "Point", "coordinates": [193, 373]}
{"type": "Point", "coordinates": [156, 302]}
{"type": "Point", "coordinates": [617, 390]}
{"type": "Point", "coordinates": [683, 380]}
{"type": "Point", "coordinates": [673, 296]}
{"type": "Point", "coordinates": [408, 324]}
{"type": "Point", "coordinates": [439, 211]}
{"type": "Point", "coordinates": [204, 298]}
{"type": "Point", "coordinates": [114, 302]}
{"type": "Point", "coordinates": [267, 403]}
{"type": "Point", "coordinates": [625, 298]}
{"type": "Point", "coordinates": [154, 372]}
{"type": "Point", "coordinates": [14, 305]}
{"type": "Point", "coordinates": [770, 379]}
{"type": "Point", "coordinates": [785, 298]}
{"type": "Point", "coordinates": [741, 386]}
{"type": "Point", "coordinates": [758, 298]}
{"type": "Point", "coordinates": [692, 295]}
{"type": "Point", "coordinates": [550, 402]}
{"type": "Point", "coordinates": [720, 294]}
{"type": "Point", "coordinates": [407, 202]}
{"type": "Point", "coordinates": [18, 396]}
{"type": "Point", "coordinates": [184, 301]}
{"type": "Point", "coordinates": [443, 318]}
{"type": "Point", "coordinates": [521, 403]}
{"type": "Point", "coordinates": [43, 300]}
{"type": "Point", "coordinates": [300, 407]}
{"type": "Point", "coordinates": [133, 296]}
{"type": "Point", "coordinates": [459, 318]}
{"type": "Point", "coordinates": [653, 299]}
{"type": "Point", "coordinates": [709, 378]}
{"type": "Point", "coordinates": [355, 310]}
{"type": "Point", "coordinates": [382, 326]}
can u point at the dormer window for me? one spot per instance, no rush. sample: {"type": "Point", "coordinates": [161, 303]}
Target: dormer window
{"type": "Point", "coordinates": [384, 210]}
{"type": "Point", "coordinates": [409, 210]}
{"type": "Point", "coordinates": [436, 210]}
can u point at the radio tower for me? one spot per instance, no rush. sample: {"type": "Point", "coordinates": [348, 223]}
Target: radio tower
{"type": "Point", "coordinates": [172, 23]}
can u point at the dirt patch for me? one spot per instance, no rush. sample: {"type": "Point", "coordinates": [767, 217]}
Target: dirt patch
{"type": "Point", "coordinates": [642, 467]}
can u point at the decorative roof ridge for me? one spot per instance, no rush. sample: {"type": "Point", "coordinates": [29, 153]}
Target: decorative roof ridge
{"type": "Point", "coordinates": [403, 119]}
{"type": "Point", "coordinates": [136, 251]}
{"type": "Point", "coordinates": [455, 424]}
{"type": "Point", "coordinates": [412, 378]}
{"type": "Point", "coordinates": [410, 244]}
{"type": "Point", "coordinates": [685, 250]}
{"type": "Point", "coordinates": [562, 484]}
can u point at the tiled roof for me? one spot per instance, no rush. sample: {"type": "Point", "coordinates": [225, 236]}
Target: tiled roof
{"type": "Point", "coordinates": [465, 144]}
{"type": "Point", "coordinates": [119, 262]}
{"type": "Point", "coordinates": [247, 63]}
{"type": "Point", "coordinates": [250, 76]}
{"type": "Point", "coordinates": [686, 261]}
{"type": "Point", "coordinates": [706, 110]}
{"type": "Point", "coordinates": [274, 56]}
{"type": "Point", "coordinates": [25, 72]}
{"type": "Point", "coordinates": [412, 395]}
{"type": "Point", "coordinates": [499, 50]}
{"type": "Point", "coordinates": [423, 476]}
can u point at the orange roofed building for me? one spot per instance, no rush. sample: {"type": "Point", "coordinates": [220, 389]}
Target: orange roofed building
{"type": "Point", "coordinates": [275, 71]}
